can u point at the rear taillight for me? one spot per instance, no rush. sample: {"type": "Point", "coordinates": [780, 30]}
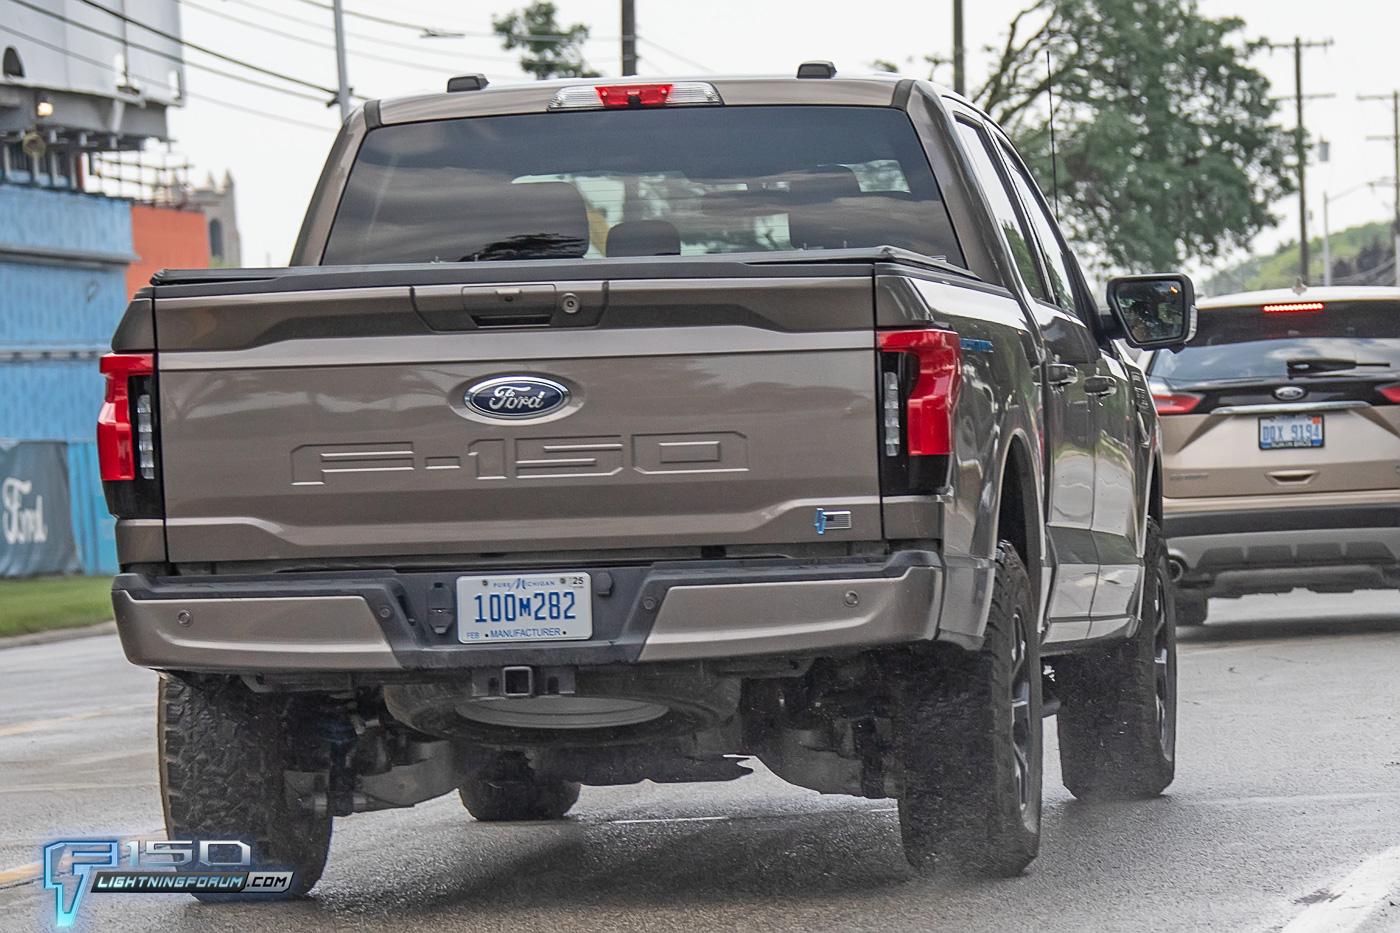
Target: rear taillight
{"type": "Point", "coordinates": [118, 447]}
{"type": "Point", "coordinates": [920, 379]}
{"type": "Point", "coordinates": [1391, 393]}
{"type": "Point", "coordinates": [126, 436]}
{"type": "Point", "coordinates": [1175, 403]}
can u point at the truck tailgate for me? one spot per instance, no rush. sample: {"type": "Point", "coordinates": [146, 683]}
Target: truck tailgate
{"type": "Point", "coordinates": [334, 423]}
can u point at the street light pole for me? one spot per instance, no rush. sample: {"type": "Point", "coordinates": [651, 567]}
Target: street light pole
{"type": "Point", "coordinates": [1326, 242]}
{"type": "Point", "coordinates": [1327, 200]}
{"type": "Point", "coordinates": [342, 89]}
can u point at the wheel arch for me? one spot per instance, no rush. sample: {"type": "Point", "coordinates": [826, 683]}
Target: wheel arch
{"type": "Point", "coordinates": [1019, 516]}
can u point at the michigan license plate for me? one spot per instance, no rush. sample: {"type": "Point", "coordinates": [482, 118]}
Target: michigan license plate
{"type": "Point", "coordinates": [1287, 431]}
{"type": "Point", "coordinates": [524, 607]}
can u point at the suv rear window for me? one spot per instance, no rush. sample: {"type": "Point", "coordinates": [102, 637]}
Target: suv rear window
{"type": "Point", "coordinates": [1249, 343]}
{"type": "Point", "coordinates": [677, 181]}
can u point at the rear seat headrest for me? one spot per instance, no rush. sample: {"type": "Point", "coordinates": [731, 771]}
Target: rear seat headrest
{"type": "Point", "coordinates": [824, 184]}
{"type": "Point", "coordinates": [551, 208]}
{"type": "Point", "coordinates": [644, 238]}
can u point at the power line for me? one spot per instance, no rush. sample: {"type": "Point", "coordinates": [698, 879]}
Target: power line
{"type": "Point", "coordinates": [434, 69]}
{"type": "Point", "coordinates": [168, 55]}
{"type": "Point", "coordinates": [690, 62]}
{"type": "Point", "coordinates": [437, 30]}
{"type": "Point", "coordinates": [184, 93]}
{"type": "Point", "coordinates": [417, 48]}
{"type": "Point", "coordinates": [208, 51]}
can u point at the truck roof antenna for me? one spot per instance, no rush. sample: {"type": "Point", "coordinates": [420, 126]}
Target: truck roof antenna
{"type": "Point", "coordinates": [1054, 162]}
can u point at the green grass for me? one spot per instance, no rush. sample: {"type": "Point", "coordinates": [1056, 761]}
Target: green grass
{"type": "Point", "coordinates": [42, 603]}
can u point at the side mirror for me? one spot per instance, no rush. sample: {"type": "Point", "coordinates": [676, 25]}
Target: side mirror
{"type": "Point", "coordinates": [1155, 312]}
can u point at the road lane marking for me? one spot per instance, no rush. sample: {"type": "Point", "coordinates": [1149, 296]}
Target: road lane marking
{"type": "Point", "coordinates": [25, 874]}
{"type": "Point", "coordinates": [20, 874]}
{"type": "Point", "coordinates": [34, 725]}
{"type": "Point", "coordinates": [1350, 902]}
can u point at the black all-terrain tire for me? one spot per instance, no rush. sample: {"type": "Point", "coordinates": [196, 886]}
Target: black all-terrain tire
{"type": "Point", "coordinates": [1117, 721]}
{"type": "Point", "coordinates": [224, 751]}
{"type": "Point", "coordinates": [509, 790]}
{"type": "Point", "coordinates": [970, 741]}
{"type": "Point", "coordinates": [1191, 607]}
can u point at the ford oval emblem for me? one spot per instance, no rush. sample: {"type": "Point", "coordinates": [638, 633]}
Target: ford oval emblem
{"type": "Point", "coordinates": [515, 397]}
{"type": "Point", "coordinates": [1289, 393]}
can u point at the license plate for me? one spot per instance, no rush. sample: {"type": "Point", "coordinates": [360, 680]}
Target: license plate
{"type": "Point", "coordinates": [524, 607]}
{"type": "Point", "coordinates": [1280, 432]}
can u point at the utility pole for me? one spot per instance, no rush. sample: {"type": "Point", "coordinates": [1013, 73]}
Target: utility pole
{"type": "Point", "coordinates": [629, 37]}
{"type": "Point", "coordinates": [342, 87]}
{"type": "Point", "coordinates": [959, 80]}
{"type": "Point", "coordinates": [1301, 144]}
{"type": "Point", "coordinates": [1393, 138]}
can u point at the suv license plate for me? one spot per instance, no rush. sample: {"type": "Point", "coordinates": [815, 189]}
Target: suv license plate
{"type": "Point", "coordinates": [524, 607]}
{"type": "Point", "coordinates": [1280, 432]}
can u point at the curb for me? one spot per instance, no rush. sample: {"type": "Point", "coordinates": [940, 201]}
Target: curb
{"type": "Point", "coordinates": [58, 634]}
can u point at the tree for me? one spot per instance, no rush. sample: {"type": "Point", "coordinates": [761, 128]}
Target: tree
{"type": "Point", "coordinates": [549, 51]}
{"type": "Point", "coordinates": [1167, 147]}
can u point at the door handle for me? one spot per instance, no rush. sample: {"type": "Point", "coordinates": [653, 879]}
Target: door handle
{"type": "Point", "coordinates": [1100, 385]}
{"type": "Point", "coordinates": [1061, 374]}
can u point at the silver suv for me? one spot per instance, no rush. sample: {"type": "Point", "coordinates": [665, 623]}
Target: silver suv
{"type": "Point", "coordinates": [1281, 445]}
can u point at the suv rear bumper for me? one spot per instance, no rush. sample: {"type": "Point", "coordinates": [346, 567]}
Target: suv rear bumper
{"type": "Point", "coordinates": [386, 621]}
{"type": "Point", "coordinates": [1351, 543]}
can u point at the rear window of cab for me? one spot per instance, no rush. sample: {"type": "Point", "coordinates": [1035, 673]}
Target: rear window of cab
{"type": "Point", "coordinates": [663, 181]}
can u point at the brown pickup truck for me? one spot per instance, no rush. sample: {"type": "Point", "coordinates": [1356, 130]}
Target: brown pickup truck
{"type": "Point", "coordinates": [609, 432]}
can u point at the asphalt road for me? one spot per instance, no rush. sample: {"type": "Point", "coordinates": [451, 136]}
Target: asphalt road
{"type": "Point", "coordinates": [1285, 815]}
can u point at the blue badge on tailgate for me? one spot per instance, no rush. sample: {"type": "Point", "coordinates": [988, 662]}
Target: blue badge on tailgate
{"type": "Point", "coordinates": [513, 397]}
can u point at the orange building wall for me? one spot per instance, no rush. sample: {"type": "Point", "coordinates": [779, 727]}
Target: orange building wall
{"type": "Point", "coordinates": [165, 238]}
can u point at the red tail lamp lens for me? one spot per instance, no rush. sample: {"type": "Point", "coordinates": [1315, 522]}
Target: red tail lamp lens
{"type": "Point", "coordinates": [933, 400]}
{"type": "Point", "coordinates": [116, 446]}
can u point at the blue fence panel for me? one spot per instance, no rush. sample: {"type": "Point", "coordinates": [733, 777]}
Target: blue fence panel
{"type": "Point", "coordinates": [94, 529]}
{"type": "Point", "coordinates": [50, 400]}
{"type": "Point", "coordinates": [64, 220]}
{"type": "Point", "coordinates": [53, 306]}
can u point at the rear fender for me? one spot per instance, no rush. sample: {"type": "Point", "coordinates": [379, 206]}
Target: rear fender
{"type": "Point", "coordinates": [998, 411]}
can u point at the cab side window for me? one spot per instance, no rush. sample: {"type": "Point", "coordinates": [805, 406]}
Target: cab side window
{"type": "Point", "coordinates": [1018, 237]}
{"type": "Point", "coordinates": [1057, 261]}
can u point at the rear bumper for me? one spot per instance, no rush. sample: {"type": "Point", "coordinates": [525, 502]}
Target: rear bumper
{"type": "Point", "coordinates": [393, 622]}
{"type": "Point", "coordinates": [1281, 545]}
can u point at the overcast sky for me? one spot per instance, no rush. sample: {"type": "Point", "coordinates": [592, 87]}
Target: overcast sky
{"type": "Point", "coordinates": [275, 163]}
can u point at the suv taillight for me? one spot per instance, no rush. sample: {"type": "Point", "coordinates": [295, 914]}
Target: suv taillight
{"type": "Point", "coordinates": [126, 436]}
{"type": "Point", "coordinates": [920, 379]}
{"type": "Point", "coordinates": [1176, 403]}
{"type": "Point", "coordinates": [1391, 393]}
